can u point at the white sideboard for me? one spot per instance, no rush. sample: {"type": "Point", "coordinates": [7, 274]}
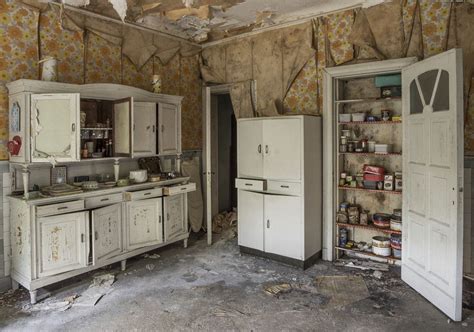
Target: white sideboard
{"type": "Point", "coordinates": [279, 169]}
{"type": "Point", "coordinates": [55, 238]}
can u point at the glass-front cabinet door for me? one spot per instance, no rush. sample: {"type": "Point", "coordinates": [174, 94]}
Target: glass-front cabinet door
{"type": "Point", "coordinates": [54, 127]}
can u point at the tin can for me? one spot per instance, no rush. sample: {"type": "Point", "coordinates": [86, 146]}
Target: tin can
{"type": "Point", "coordinates": [343, 235]}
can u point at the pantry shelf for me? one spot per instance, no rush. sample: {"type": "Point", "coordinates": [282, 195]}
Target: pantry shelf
{"type": "Point", "coordinates": [364, 100]}
{"type": "Point", "coordinates": [369, 254]}
{"type": "Point", "coordinates": [370, 123]}
{"type": "Point", "coordinates": [370, 227]}
{"type": "Point", "coordinates": [371, 190]}
{"type": "Point", "coordinates": [371, 153]}
{"type": "Point", "coordinates": [96, 128]}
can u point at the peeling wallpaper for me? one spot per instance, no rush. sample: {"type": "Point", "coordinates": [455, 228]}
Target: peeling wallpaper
{"type": "Point", "coordinates": [397, 29]}
{"type": "Point", "coordinates": [28, 35]}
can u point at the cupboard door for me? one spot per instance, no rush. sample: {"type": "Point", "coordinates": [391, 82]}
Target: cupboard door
{"type": "Point", "coordinates": [282, 149]}
{"type": "Point", "coordinates": [249, 148]}
{"type": "Point", "coordinates": [175, 216]}
{"type": "Point", "coordinates": [144, 226]}
{"type": "Point", "coordinates": [250, 219]}
{"type": "Point", "coordinates": [168, 137]}
{"type": "Point", "coordinates": [144, 129]}
{"type": "Point", "coordinates": [107, 232]}
{"type": "Point", "coordinates": [62, 243]}
{"type": "Point", "coordinates": [122, 126]}
{"type": "Point", "coordinates": [54, 127]}
{"type": "Point", "coordinates": [284, 226]}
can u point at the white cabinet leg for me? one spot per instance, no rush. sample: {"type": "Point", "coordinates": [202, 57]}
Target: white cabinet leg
{"type": "Point", "coordinates": [123, 265]}
{"type": "Point", "coordinates": [15, 285]}
{"type": "Point", "coordinates": [116, 169]}
{"type": "Point", "coordinates": [185, 243]}
{"type": "Point", "coordinates": [26, 182]}
{"type": "Point", "coordinates": [33, 294]}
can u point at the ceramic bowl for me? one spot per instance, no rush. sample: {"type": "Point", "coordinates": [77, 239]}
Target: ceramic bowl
{"type": "Point", "coordinates": [139, 176]}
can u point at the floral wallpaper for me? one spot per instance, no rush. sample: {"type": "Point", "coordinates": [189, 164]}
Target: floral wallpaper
{"type": "Point", "coordinates": [137, 78]}
{"type": "Point", "coordinates": [18, 54]}
{"type": "Point", "coordinates": [66, 46]}
{"type": "Point", "coordinates": [103, 61]}
{"type": "Point", "coordinates": [338, 29]}
{"type": "Point", "coordinates": [301, 98]}
{"type": "Point", "coordinates": [434, 24]}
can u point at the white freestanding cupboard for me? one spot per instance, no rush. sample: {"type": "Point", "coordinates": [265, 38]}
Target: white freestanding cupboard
{"type": "Point", "coordinates": [432, 158]}
{"type": "Point", "coordinates": [279, 169]}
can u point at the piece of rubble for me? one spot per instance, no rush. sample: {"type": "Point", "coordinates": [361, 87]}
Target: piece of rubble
{"type": "Point", "coordinates": [152, 256]}
{"type": "Point", "coordinates": [377, 274]}
{"type": "Point", "coordinates": [278, 289]}
{"type": "Point", "coordinates": [150, 267]}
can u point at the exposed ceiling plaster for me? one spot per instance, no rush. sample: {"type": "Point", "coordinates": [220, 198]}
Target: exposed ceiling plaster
{"type": "Point", "coordinates": [209, 20]}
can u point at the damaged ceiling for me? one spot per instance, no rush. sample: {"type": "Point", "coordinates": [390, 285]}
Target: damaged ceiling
{"type": "Point", "coordinates": [210, 20]}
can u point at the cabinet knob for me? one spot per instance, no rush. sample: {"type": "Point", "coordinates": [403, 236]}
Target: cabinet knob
{"type": "Point", "coordinates": [266, 149]}
{"type": "Point", "coordinates": [259, 149]}
{"type": "Point", "coordinates": [73, 127]}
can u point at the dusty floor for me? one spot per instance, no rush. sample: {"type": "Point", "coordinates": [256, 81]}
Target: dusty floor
{"type": "Point", "coordinates": [218, 289]}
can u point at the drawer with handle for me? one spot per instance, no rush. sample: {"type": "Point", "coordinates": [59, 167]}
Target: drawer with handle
{"type": "Point", "coordinates": [59, 208]}
{"type": "Point", "coordinates": [103, 200]}
{"type": "Point", "coordinates": [251, 184]}
{"type": "Point", "coordinates": [291, 188]}
{"type": "Point", "coordinates": [179, 189]}
{"type": "Point", "coordinates": [143, 194]}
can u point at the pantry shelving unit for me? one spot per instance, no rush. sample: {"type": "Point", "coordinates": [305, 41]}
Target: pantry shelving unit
{"type": "Point", "coordinates": [354, 95]}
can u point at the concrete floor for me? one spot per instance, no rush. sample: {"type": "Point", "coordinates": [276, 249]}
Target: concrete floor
{"type": "Point", "coordinates": [215, 288]}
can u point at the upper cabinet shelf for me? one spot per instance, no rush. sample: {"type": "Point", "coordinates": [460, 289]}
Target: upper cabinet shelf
{"type": "Point", "coordinates": [370, 123]}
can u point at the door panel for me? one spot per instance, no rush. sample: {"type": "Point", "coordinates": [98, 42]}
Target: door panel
{"type": "Point", "coordinates": [250, 149]}
{"type": "Point", "coordinates": [107, 228]}
{"type": "Point", "coordinates": [283, 226]}
{"type": "Point", "coordinates": [433, 169]}
{"type": "Point", "coordinates": [123, 125]}
{"type": "Point", "coordinates": [168, 141]}
{"type": "Point", "coordinates": [62, 243]}
{"type": "Point", "coordinates": [54, 127]}
{"type": "Point", "coordinates": [282, 149]}
{"type": "Point", "coordinates": [250, 219]}
{"type": "Point", "coordinates": [175, 216]}
{"type": "Point", "coordinates": [144, 223]}
{"type": "Point", "coordinates": [144, 129]}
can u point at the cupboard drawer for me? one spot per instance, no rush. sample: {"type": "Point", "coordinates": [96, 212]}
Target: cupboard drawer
{"type": "Point", "coordinates": [251, 184]}
{"type": "Point", "coordinates": [179, 189]}
{"type": "Point", "coordinates": [59, 208]}
{"type": "Point", "coordinates": [143, 194]}
{"type": "Point", "coordinates": [103, 200]}
{"type": "Point", "coordinates": [293, 188]}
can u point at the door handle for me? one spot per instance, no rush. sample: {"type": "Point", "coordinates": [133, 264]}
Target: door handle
{"type": "Point", "coordinates": [266, 149]}
{"type": "Point", "coordinates": [268, 223]}
{"type": "Point", "coordinates": [83, 238]}
{"type": "Point", "coordinates": [73, 127]}
{"type": "Point", "coordinates": [259, 149]}
{"type": "Point", "coordinates": [96, 235]}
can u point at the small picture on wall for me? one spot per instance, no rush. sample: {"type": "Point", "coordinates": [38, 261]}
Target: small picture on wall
{"type": "Point", "coordinates": [58, 175]}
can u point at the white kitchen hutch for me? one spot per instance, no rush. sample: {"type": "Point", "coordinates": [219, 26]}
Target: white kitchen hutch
{"type": "Point", "coordinates": [428, 150]}
{"type": "Point", "coordinates": [54, 238]}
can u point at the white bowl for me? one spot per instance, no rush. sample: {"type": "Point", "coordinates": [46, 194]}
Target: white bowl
{"type": "Point", "coordinates": [139, 176]}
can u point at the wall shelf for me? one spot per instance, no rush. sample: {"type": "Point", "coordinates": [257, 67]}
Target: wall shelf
{"type": "Point", "coordinates": [365, 100]}
{"type": "Point", "coordinates": [371, 153]}
{"type": "Point", "coordinates": [371, 190]}
{"type": "Point", "coordinates": [369, 227]}
{"type": "Point", "coordinates": [370, 123]}
{"type": "Point", "coordinates": [370, 255]}
{"type": "Point", "coordinates": [96, 128]}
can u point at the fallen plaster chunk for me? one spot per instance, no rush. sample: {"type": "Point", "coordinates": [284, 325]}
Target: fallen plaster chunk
{"type": "Point", "coordinates": [363, 265]}
{"type": "Point", "coordinates": [100, 286]}
{"type": "Point", "coordinates": [377, 274]}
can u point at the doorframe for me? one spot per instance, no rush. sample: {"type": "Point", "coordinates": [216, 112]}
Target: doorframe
{"type": "Point", "coordinates": [330, 75]}
{"type": "Point", "coordinates": [207, 156]}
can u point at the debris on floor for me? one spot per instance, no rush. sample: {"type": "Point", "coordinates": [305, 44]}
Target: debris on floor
{"type": "Point", "coordinates": [342, 290]}
{"type": "Point", "coordinates": [278, 289]}
{"type": "Point", "coordinates": [362, 265]}
{"type": "Point", "coordinates": [377, 274]}
{"type": "Point", "coordinates": [152, 256]}
{"type": "Point", "coordinates": [100, 286]}
{"type": "Point", "coordinates": [150, 267]}
{"type": "Point", "coordinates": [224, 221]}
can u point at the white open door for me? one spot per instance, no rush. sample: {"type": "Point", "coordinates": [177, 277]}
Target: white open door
{"type": "Point", "coordinates": [433, 177]}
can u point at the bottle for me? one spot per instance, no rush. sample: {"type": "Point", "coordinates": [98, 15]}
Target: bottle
{"type": "Point", "coordinates": [84, 151]}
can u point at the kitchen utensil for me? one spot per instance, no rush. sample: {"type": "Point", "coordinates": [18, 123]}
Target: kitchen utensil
{"type": "Point", "coordinates": [138, 176]}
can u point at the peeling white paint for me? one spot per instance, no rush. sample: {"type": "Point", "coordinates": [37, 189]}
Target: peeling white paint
{"type": "Point", "coordinates": [120, 7]}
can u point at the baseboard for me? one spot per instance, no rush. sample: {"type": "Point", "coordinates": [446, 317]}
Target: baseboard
{"type": "Point", "coordinates": [302, 264]}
